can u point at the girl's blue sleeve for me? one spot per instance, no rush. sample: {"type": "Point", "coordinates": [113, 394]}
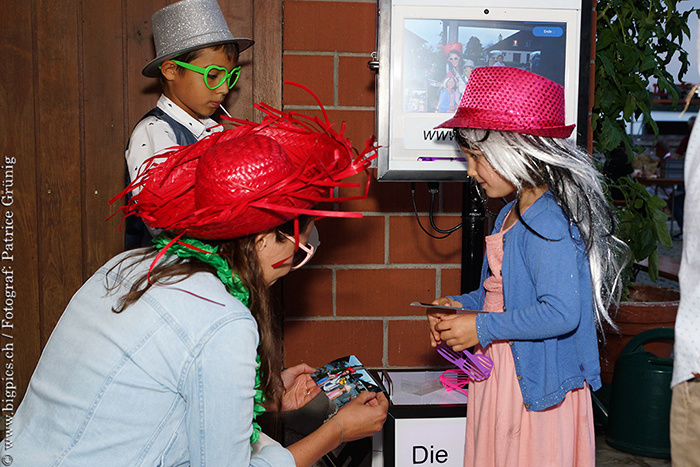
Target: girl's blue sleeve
{"type": "Point", "coordinates": [548, 287]}
{"type": "Point", "coordinates": [219, 391]}
{"type": "Point", "coordinates": [471, 301]}
{"type": "Point", "coordinates": [474, 300]}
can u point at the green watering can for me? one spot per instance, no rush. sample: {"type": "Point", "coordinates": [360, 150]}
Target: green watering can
{"type": "Point", "coordinates": [636, 418]}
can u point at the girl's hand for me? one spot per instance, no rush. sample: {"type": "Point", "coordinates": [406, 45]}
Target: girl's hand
{"type": "Point", "coordinates": [363, 416]}
{"type": "Point", "coordinates": [435, 317]}
{"type": "Point", "coordinates": [299, 388]}
{"type": "Point", "coordinates": [458, 331]}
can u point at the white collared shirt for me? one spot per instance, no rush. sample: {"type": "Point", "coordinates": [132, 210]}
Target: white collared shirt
{"type": "Point", "coordinates": [152, 136]}
{"type": "Point", "coordinates": [686, 359]}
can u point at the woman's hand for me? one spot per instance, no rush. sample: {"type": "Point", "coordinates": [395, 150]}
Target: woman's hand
{"type": "Point", "coordinates": [363, 416]}
{"type": "Point", "coordinates": [458, 331]}
{"type": "Point", "coordinates": [299, 388]}
{"type": "Point", "coordinates": [434, 317]}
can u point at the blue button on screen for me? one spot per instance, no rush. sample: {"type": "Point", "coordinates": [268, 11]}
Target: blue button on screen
{"type": "Point", "coordinates": [547, 31]}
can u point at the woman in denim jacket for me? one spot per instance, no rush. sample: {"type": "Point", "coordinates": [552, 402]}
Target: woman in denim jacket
{"type": "Point", "coordinates": [551, 269]}
{"type": "Point", "coordinates": [166, 355]}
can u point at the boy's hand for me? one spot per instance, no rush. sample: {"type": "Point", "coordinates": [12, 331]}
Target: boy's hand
{"type": "Point", "coordinates": [458, 331]}
{"type": "Point", "coordinates": [434, 317]}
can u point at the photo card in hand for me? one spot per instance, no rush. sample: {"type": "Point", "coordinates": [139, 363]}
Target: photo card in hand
{"type": "Point", "coordinates": [344, 378]}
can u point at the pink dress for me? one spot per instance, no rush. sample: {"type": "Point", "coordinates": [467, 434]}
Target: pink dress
{"type": "Point", "coordinates": [500, 432]}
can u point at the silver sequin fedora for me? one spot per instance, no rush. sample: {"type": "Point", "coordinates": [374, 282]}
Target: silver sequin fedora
{"type": "Point", "coordinates": [189, 25]}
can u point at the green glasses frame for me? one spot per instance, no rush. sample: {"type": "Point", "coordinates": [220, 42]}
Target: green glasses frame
{"type": "Point", "coordinates": [231, 77]}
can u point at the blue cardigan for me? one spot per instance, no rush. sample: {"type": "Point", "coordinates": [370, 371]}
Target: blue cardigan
{"type": "Point", "coordinates": [549, 317]}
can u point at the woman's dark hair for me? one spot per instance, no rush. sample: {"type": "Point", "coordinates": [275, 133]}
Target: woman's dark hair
{"type": "Point", "coordinates": [242, 257]}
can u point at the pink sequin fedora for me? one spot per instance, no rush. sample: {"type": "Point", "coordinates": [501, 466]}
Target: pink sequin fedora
{"type": "Point", "coordinates": [511, 99]}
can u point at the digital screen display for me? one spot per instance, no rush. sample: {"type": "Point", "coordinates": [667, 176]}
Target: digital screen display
{"type": "Point", "coordinates": [430, 51]}
{"type": "Point", "coordinates": [436, 69]}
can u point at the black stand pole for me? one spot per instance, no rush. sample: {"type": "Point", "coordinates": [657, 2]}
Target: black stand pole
{"type": "Point", "coordinates": [473, 218]}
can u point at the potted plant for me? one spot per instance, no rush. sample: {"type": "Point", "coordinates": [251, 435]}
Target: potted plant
{"type": "Point", "coordinates": [642, 225]}
{"type": "Point", "coordinates": [635, 41]}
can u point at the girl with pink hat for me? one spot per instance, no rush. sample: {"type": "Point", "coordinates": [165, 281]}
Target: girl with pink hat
{"type": "Point", "coordinates": [551, 270]}
{"type": "Point", "coordinates": [168, 354]}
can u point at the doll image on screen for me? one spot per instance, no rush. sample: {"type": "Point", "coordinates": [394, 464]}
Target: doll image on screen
{"type": "Point", "coordinates": [344, 378]}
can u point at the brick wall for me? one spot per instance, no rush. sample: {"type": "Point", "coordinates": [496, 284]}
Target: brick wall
{"type": "Point", "coordinates": [354, 296]}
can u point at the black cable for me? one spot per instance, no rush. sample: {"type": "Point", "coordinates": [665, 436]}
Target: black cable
{"type": "Point", "coordinates": [433, 190]}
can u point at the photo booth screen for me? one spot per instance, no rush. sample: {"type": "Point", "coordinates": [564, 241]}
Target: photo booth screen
{"type": "Point", "coordinates": [433, 51]}
{"type": "Point", "coordinates": [430, 68]}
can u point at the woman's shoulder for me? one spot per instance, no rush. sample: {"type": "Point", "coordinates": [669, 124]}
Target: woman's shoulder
{"type": "Point", "coordinates": [202, 290]}
{"type": "Point", "coordinates": [200, 307]}
{"type": "Point", "coordinates": [201, 297]}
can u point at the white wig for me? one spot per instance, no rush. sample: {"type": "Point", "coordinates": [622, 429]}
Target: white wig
{"type": "Point", "coordinates": [577, 186]}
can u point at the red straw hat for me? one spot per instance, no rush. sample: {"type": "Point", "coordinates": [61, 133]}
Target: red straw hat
{"type": "Point", "coordinates": [248, 179]}
{"type": "Point", "coordinates": [511, 99]}
{"type": "Point", "coordinates": [452, 47]}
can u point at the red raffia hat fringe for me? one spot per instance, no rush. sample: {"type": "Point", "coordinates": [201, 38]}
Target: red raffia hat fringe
{"type": "Point", "coordinates": [249, 178]}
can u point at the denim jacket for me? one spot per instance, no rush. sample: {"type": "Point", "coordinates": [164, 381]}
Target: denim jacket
{"type": "Point", "coordinates": [548, 316]}
{"type": "Point", "coordinates": [169, 381]}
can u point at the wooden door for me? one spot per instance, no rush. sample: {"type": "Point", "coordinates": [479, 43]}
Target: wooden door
{"type": "Point", "coordinates": [71, 92]}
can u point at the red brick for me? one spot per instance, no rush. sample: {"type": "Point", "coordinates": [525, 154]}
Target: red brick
{"type": "Point", "coordinates": [386, 197]}
{"type": "Point", "coordinates": [451, 282]}
{"type": "Point", "coordinates": [495, 205]}
{"type": "Point", "coordinates": [313, 71]}
{"type": "Point", "coordinates": [330, 26]}
{"type": "Point", "coordinates": [409, 244]}
{"type": "Point", "coordinates": [308, 292]}
{"type": "Point", "coordinates": [452, 194]}
{"type": "Point", "coordinates": [351, 241]}
{"type": "Point", "coordinates": [382, 292]}
{"type": "Point", "coordinates": [396, 197]}
{"type": "Point", "coordinates": [319, 342]}
{"type": "Point", "coordinates": [359, 123]}
{"type": "Point", "coordinates": [409, 345]}
{"type": "Point", "coordinates": [355, 82]}
{"type": "Point", "coordinates": [369, 204]}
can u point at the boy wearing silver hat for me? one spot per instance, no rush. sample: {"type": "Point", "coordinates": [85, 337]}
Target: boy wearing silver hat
{"type": "Point", "coordinates": [196, 57]}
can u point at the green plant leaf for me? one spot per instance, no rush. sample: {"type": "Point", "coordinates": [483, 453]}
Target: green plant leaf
{"type": "Point", "coordinates": [664, 235]}
{"type": "Point", "coordinates": [636, 39]}
{"type": "Point", "coordinates": [653, 265]}
{"type": "Point", "coordinates": [646, 237]}
{"type": "Point", "coordinates": [656, 202]}
{"type": "Point", "coordinates": [604, 39]}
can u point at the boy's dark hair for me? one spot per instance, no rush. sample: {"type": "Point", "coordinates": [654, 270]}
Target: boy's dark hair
{"type": "Point", "coordinates": [230, 49]}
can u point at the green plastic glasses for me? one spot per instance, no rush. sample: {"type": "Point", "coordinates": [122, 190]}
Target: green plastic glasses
{"type": "Point", "coordinates": [214, 76]}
